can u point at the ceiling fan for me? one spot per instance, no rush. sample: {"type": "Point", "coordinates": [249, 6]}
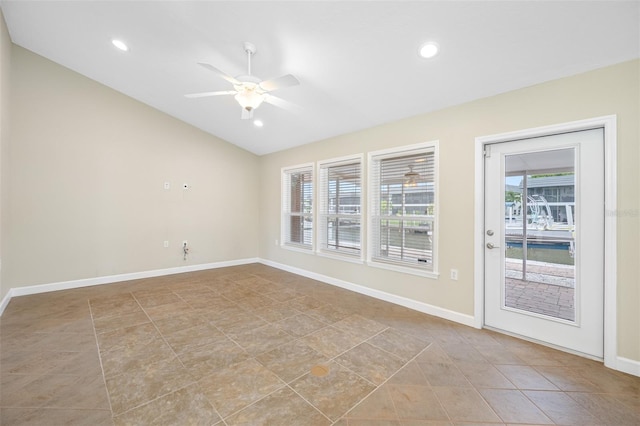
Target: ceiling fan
{"type": "Point", "coordinates": [249, 90]}
{"type": "Point", "coordinates": [411, 177]}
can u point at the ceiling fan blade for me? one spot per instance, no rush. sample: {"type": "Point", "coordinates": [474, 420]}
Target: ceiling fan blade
{"type": "Point", "coordinates": [280, 103]}
{"type": "Point", "coordinates": [279, 83]}
{"type": "Point", "coordinates": [220, 73]}
{"type": "Point", "coordinates": [205, 94]}
{"type": "Point", "coordinates": [246, 115]}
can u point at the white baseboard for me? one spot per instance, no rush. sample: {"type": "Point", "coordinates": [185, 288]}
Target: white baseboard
{"type": "Point", "coordinates": [378, 294]}
{"type": "Point", "coordinates": [628, 366]}
{"type": "Point", "coordinates": [87, 282]}
{"type": "Point", "coordinates": [5, 300]}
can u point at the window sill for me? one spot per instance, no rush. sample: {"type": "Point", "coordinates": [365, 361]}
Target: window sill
{"type": "Point", "coordinates": [404, 269]}
{"type": "Point", "coordinates": [343, 257]}
{"type": "Point", "coordinates": [299, 249]}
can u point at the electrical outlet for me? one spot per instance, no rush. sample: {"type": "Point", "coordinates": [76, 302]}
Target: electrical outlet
{"type": "Point", "coordinates": [166, 244]}
{"type": "Point", "coordinates": [167, 185]}
{"type": "Point", "coordinates": [454, 274]}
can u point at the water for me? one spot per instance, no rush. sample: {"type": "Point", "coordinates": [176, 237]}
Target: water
{"type": "Point", "coordinates": [560, 256]}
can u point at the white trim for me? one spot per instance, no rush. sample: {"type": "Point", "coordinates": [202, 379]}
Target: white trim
{"type": "Point", "coordinates": [285, 173]}
{"type": "Point", "coordinates": [378, 294]}
{"type": "Point", "coordinates": [433, 146]}
{"type": "Point", "coordinates": [320, 192]}
{"type": "Point", "coordinates": [345, 159]}
{"type": "Point", "coordinates": [298, 247]}
{"type": "Point", "coordinates": [610, 242]}
{"type": "Point", "coordinates": [397, 267]}
{"type": "Point", "coordinates": [109, 279]}
{"type": "Point", "coordinates": [342, 256]}
{"type": "Point", "coordinates": [478, 236]}
{"type": "Point", "coordinates": [611, 359]}
{"type": "Point", "coordinates": [394, 152]}
{"type": "Point", "coordinates": [543, 343]}
{"type": "Point", "coordinates": [5, 300]}
{"type": "Point", "coordinates": [627, 365]}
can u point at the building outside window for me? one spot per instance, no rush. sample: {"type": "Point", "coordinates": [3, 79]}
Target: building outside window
{"type": "Point", "coordinates": [558, 192]}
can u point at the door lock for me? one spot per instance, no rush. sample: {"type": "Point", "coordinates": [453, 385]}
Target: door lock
{"type": "Point", "coordinates": [490, 232]}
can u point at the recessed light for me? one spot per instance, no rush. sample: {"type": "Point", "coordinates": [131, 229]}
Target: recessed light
{"type": "Point", "coordinates": [258, 123]}
{"type": "Point", "coordinates": [120, 45]}
{"type": "Point", "coordinates": [429, 50]}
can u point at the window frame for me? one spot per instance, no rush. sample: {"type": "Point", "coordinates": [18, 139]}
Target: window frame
{"type": "Point", "coordinates": [322, 209]}
{"type": "Point", "coordinates": [285, 211]}
{"type": "Point", "coordinates": [373, 203]}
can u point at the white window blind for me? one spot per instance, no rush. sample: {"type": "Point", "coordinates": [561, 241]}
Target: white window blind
{"type": "Point", "coordinates": [340, 207]}
{"type": "Point", "coordinates": [297, 207]}
{"type": "Point", "coordinates": [403, 207]}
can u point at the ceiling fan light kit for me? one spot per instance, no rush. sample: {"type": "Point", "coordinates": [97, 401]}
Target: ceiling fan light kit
{"type": "Point", "coordinates": [250, 92]}
{"type": "Point", "coordinates": [249, 98]}
{"type": "Point", "coordinates": [411, 177]}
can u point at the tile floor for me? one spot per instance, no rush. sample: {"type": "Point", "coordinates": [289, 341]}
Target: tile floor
{"type": "Point", "coordinates": [255, 345]}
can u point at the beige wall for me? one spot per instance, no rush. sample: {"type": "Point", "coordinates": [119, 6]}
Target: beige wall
{"type": "Point", "coordinates": [611, 90]}
{"type": "Point", "coordinates": [5, 63]}
{"type": "Point", "coordinates": [87, 168]}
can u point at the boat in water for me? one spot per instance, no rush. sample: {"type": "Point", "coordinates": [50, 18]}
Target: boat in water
{"type": "Point", "coordinates": [539, 225]}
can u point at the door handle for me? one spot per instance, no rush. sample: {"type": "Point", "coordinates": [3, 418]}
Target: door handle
{"type": "Point", "coordinates": [491, 246]}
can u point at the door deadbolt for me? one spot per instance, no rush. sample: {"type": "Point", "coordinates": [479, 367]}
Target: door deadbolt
{"type": "Point", "coordinates": [490, 232]}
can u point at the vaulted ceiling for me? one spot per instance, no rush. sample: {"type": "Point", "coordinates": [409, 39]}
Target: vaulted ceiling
{"type": "Point", "coordinates": [357, 61]}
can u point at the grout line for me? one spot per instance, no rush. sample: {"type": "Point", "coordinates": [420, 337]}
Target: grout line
{"type": "Point", "coordinates": [309, 402]}
{"type": "Point", "coordinates": [104, 377]}
{"type": "Point", "coordinates": [113, 415]}
{"type": "Point", "coordinates": [158, 331]}
{"type": "Point", "coordinates": [284, 385]}
{"type": "Point", "coordinates": [386, 381]}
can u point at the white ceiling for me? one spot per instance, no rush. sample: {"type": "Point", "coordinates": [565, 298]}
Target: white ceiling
{"type": "Point", "coordinates": [357, 62]}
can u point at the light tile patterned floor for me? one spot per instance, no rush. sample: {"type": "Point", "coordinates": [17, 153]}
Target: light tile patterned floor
{"type": "Point", "coordinates": [236, 346]}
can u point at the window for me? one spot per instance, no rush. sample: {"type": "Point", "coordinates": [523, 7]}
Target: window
{"type": "Point", "coordinates": [403, 196]}
{"type": "Point", "coordinates": [297, 207]}
{"type": "Point", "coordinates": [340, 208]}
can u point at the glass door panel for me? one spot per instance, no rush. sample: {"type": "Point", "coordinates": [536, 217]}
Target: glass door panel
{"type": "Point", "coordinates": [540, 233]}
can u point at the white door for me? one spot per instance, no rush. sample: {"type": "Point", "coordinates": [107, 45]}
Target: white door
{"type": "Point", "coordinates": [544, 239]}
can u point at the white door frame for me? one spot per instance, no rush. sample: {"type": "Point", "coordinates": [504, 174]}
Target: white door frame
{"type": "Point", "coordinates": [610, 225]}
